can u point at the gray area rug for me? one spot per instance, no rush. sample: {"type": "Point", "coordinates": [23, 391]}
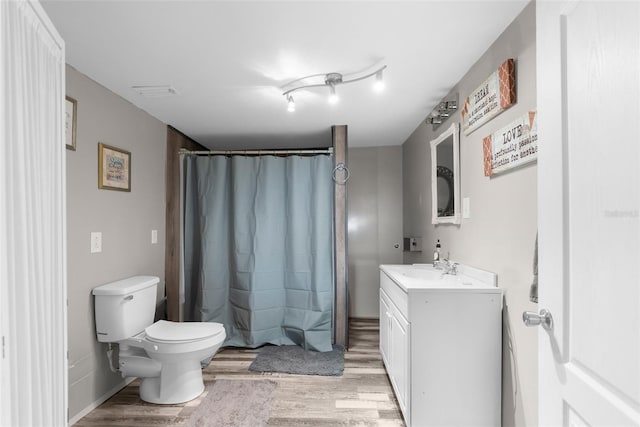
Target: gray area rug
{"type": "Point", "coordinates": [235, 403]}
{"type": "Point", "coordinates": [292, 359]}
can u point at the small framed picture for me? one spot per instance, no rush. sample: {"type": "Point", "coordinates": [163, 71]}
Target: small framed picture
{"type": "Point", "coordinates": [114, 168]}
{"type": "Point", "coordinates": [70, 118]}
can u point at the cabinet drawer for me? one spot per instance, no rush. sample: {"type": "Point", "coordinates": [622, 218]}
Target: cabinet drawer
{"type": "Point", "coordinates": [395, 293]}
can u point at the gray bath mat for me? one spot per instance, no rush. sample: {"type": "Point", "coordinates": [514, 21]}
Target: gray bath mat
{"type": "Point", "coordinates": [235, 403]}
{"type": "Point", "coordinates": [292, 359]}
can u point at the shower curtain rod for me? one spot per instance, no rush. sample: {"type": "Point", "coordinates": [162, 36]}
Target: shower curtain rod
{"type": "Point", "coordinates": [257, 152]}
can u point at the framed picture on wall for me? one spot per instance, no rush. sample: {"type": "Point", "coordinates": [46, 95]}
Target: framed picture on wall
{"type": "Point", "coordinates": [70, 118]}
{"type": "Point", "coordinates": [114, 168]}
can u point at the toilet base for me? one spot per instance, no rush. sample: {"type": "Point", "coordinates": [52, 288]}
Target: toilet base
{"type": "Point", "coordinates": [177, 383]}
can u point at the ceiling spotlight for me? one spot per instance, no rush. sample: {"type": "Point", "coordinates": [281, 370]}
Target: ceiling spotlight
{"type": "Point", "coordinates": [378, 86]}
{"type": "Point", "coordinates": [331, 80]}
{"type": "Point", "coordinates": [291, 105]}
{"type": "Point", "coordinates": [333, 96]}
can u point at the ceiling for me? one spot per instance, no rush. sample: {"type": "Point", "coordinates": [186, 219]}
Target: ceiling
{"type": "Point", "coordinates": [230, 62]}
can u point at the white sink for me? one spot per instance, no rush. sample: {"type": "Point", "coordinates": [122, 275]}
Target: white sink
{"type": "Point", "coordinates": [422, 272]}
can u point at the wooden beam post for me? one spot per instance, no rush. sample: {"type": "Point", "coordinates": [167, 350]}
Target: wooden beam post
{"type": "Point", "coordinates": [341, 308]}
{"type": "Point", "coordinates": [175, 141]}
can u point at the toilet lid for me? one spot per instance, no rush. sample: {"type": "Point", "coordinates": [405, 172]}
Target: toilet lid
{"type": "Point", "coordinates": [164, 331]}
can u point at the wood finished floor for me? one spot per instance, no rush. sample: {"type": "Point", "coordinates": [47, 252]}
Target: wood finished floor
{"type": "Point", "coordinates": [361, 397]}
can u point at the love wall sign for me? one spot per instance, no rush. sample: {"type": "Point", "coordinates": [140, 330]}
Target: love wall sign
{"type": "Point", "coordinates": [513, 145]}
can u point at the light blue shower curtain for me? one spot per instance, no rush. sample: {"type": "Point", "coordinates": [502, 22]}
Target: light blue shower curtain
{"type": "Point", "coordinates": [258, 248]}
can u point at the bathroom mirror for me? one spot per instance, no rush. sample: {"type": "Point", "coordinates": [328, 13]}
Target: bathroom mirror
{"type": "Point", "coordinates": [445, 177]}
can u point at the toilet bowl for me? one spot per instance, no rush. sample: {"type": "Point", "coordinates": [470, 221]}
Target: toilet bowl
{"type": "Point", "coordinates": [165, 355]}
{"type": "Point", "coordinates": [179, 348]}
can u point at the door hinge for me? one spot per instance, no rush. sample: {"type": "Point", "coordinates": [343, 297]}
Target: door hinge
{"type": "Point", "coordinates": [3, 346]}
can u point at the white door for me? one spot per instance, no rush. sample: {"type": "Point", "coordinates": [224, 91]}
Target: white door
{"type": "Point", "coordinates": [588, 82]}
{"type": "Point", "coordinates": [33, 291]}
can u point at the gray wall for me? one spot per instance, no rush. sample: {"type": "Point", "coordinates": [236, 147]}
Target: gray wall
{"type": "Point", "coordinates": [374, 223]}
{"type": "Point", "coordinates": [500, 234]}
{"type": "Point", "coordinates": [125, 220]}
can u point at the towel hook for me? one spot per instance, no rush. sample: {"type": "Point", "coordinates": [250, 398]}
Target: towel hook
{"type": "Point", "coordinates": [341, 167]}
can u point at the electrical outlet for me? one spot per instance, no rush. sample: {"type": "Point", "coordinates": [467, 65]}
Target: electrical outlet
{"type": "Point", "coordinates": [96, 242]}
{"type": "Point", "coordinates": [154, 237]}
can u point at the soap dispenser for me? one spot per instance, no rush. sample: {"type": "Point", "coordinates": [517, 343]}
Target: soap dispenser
{"type": "Point", "coordinates": [436, 253]}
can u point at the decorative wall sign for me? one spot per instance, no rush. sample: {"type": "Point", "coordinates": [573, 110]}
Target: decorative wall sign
{"type": "Point", "coordinates": [511, 146]}
{"type": "Point", "coordinates": [493, 96]}
{"type": "Point", "coordinates": [114, 168]}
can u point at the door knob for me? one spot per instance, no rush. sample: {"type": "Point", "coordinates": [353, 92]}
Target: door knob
{"type": "Point", "coordinates": [545, 319]}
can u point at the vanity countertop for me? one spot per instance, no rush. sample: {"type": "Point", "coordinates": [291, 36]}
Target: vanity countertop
{"type": "Point", "coordinates": [424, 276]}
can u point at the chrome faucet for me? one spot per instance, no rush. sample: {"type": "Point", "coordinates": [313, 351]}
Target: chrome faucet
{"type": "Point", "coordinates": [453, 268]}
{"type": "Point", "coordinates": [449, 267]}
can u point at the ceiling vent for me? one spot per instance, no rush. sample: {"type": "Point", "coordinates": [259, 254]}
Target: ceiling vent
{"type": "Point", "coordinates": [155, 91]}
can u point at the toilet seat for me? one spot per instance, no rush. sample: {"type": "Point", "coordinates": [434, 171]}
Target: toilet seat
{"type": "Point", "coordinates": [182, 332]}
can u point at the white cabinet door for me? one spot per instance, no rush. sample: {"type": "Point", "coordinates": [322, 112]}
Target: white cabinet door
{"type": "Point", "coordinates": [385, 325]}
{"type": "Point", "coordinates": [394, 347]}
{"type": "Point", "coordinates": [588, 71]}
{"type": "Point", "coordinates": [399, 348]}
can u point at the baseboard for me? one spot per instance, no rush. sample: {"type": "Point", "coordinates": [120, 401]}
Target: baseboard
{"type": "Point", "coordinates": [100, 401]}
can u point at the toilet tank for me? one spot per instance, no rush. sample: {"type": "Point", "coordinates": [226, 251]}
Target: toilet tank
{"type": "Point", "coordinates": [124, 308]}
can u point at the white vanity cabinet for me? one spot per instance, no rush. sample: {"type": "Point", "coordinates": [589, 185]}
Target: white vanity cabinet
{"type": "Point", "coordinates": [441, 343]}
{"type": "Point", "coordinates": [394, 346]}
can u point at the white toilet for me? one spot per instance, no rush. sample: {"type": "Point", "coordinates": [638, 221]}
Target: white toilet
{"type": "Point", "coordinates": [165, 355]}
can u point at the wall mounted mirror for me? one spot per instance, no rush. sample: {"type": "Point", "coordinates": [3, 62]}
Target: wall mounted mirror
{"type": "Point", "coordinates": [445, 177]}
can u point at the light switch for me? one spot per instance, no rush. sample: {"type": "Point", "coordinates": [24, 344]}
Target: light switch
{"type": "Point", "coordinates": [466, 207]}
{"type": "Point", "coordinates": [96, 242]}
{"type": "Point", "coordinates": [154, 237]}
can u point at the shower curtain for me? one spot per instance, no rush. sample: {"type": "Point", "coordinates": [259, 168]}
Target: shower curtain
{"type": "Point", "coordinates": [258, 248]}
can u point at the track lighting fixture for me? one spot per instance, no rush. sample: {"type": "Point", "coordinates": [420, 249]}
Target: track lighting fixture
{"type": "Point", "coordinates": [331, 80]}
